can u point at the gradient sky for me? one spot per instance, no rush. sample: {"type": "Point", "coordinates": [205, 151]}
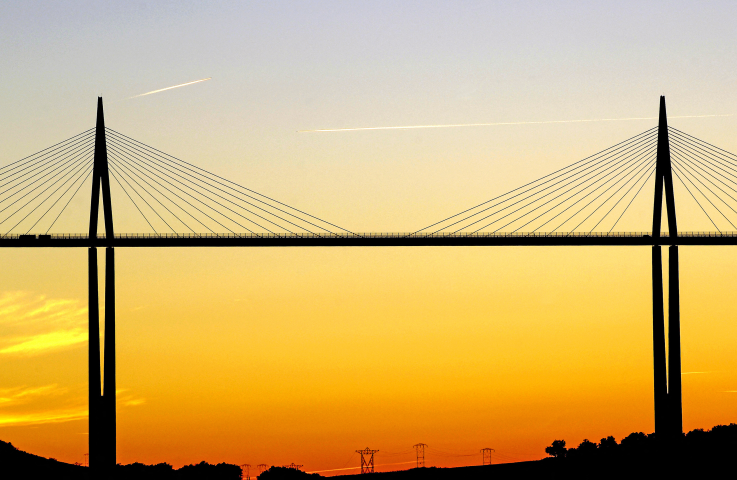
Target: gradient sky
{"type": "Point", "coordinates": [305, 355]}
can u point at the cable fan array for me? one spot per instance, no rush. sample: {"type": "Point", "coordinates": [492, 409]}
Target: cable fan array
{"type": "Point", "coordinates": [592, 193]}
{"type": "Point", "coordinates": [704, 171]}
{"type": "Point", "coordinates": [36, 190]}
{"type": "Point", "coordinates": [175, 196]}
{"type": "Point", "coordinates": [172, 196]}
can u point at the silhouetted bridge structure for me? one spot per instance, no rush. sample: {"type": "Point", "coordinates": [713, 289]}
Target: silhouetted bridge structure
{"type": "Point", "coordinates": [187, 206]}
{"type": "Point", "coordinates": [372, 239]}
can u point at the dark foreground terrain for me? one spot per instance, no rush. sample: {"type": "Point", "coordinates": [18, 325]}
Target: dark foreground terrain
{"type": "Point", "coordinates": [16, 464]}
{"type": "Point", "coordinates": [697, 454]}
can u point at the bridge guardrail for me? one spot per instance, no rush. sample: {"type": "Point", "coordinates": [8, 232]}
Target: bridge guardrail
{"type": "Point", "coordinates": [73, 236]}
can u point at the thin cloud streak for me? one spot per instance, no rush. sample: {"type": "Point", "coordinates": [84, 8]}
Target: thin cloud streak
{"type": "Point", "coordinates": [20, 395]}
{"type": "Point", "coordinates": [126, 399]}
{"type": "Point", "coordinates": [7, 420]}
{"type": "Point", "coordinates": [169, 88]}
{"type": "Point", "coordinates": [33, 324]}
{"type": "Point", "coordinates": [41, 404]}
{"type": "Point", "coordinates": [47, 341]}
{"type": "Point", "coordinates": [34, 401]}
{"type": "Point", "coordinates": [496, 124]}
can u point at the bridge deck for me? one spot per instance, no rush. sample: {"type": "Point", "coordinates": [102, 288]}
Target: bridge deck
{"type": "Point", "coordinates": [368, 240]}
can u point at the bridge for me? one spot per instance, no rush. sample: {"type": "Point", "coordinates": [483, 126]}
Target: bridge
{"type": "Point", "coordinates": [182, 205]}
{"type": "Point", "coordinates": [372, 239]}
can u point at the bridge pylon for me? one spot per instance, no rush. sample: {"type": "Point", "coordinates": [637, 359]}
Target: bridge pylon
{"type": "Point", "coordinates": [102, 408]}
{"type": "Point", "coordinates": [667, 368]}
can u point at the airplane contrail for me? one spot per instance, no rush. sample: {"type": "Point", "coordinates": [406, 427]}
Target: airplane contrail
{"type": "Point", "coordinates": [457, 125]}
{"type": "Point", "coordinates": [169, 88]}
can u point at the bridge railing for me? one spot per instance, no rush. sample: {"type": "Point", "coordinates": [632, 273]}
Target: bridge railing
{"type": "Point", "coordinates": [72, 236]}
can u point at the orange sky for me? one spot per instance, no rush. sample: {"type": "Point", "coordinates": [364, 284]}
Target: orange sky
{"type": "Point", "coordinates": [306, 355]}
{"type": "Point", "coordinates": [273, 356]}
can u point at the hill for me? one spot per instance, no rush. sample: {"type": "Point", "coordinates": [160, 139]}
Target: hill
{"type": "Point", "coordinates": [697, 454]}
{"type": "Point", "coordinates": [15, 463]}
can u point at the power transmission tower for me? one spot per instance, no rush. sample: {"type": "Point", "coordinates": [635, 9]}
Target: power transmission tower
{"type": "Point", "coordinates": [86, 459]}
{"type": "Point", "coordinates": [262, 467]}
{"type": "Point", "coordinates": [246, 471]}
{"type": "Point", "coordinates": [293, 466]}
{"type": "Point", "coordinates": [486, 455]}
{"type": "Point", "coordinates": [367, 466]}
{"type": "Point", "coordinates": [420, 449]}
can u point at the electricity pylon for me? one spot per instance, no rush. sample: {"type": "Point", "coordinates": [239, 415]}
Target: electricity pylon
{"type": "Point", "coordinates": [420, 449]}
{"type": "Point", "coordinates": [486, 455]}
{"type": "Point", "coordinates": [367, 466]}
{"type": "Point", "coordinates": [246, 471]}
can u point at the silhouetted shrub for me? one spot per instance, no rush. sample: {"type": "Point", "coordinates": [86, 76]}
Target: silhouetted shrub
{"type": "Point", "coordinates": [698, 454]}
{"type": "Point", "coordinates": [557, 449]}
{"type": "Point", "coordinates": [139, 471]}
{"type": "Point", "coordinates": [284, 473]}
{"type": "Point", "coordinates": [205, 471]}
{"type": "Point", "coordinates": [608, 444]}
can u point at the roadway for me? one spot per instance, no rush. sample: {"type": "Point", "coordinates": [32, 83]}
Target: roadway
{"type": "Point", "coordinates": [368, 240]}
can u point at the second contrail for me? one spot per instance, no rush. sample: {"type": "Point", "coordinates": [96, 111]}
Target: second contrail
{"type": "Point", "coordinates": [169, 88]}
{"type": "Point", "coordinates": [457, 125]}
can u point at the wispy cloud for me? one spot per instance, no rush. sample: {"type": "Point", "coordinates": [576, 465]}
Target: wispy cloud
{"type": "Point", "coordinates": [48, 341]}
{"type": "Point", "coordinates": [127, 399]}
{"type": "Point", "coordinates": [19, 395]}
{"type": "Point", "coordinates": [31, 405]}
{"type": "Point", "coordinates": [53, 416]}
{"type": "Point", "coordinates": [32, 324]}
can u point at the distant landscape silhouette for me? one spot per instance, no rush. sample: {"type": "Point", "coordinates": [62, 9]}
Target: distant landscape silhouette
{"type": "Point", "coordinates": [699, 453]}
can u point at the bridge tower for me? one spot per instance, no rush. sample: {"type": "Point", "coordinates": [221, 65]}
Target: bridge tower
{"type": "Point", "coordinates": [667, 378]}
{"type": "Point", "coordinates": [102, 416]}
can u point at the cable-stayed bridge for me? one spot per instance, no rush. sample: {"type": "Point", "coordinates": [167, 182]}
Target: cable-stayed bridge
{"type": "Point", "coordinates": [180, 204]}
{"type": "Point", "coordinates": [173, 203]}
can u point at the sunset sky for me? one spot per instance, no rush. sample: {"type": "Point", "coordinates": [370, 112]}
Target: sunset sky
{"type": "Point", "coordinates": [306, 355]}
